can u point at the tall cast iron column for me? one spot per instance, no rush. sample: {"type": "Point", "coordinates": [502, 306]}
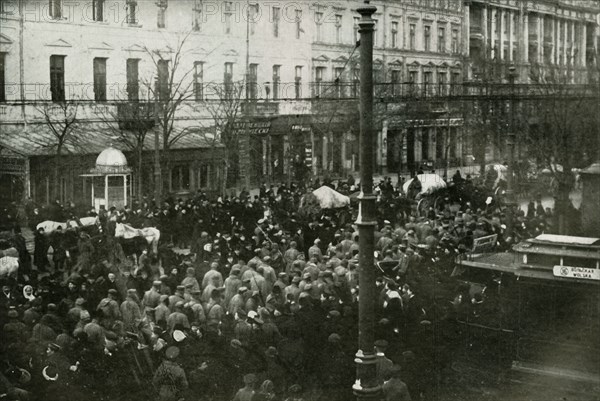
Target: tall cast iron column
{"type": "Point", "coordinates": [366, 386]}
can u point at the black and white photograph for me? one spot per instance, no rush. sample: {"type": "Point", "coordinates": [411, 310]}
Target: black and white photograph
{"type": "Point", "coordinates": [311, 200]}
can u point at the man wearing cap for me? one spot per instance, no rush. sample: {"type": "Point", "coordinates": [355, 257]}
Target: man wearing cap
{"type": "Point", "coordinates": [212, 277]}
{"type": "Point", "coordinates": [170, 379]}
{"type": "Point", "coordinates": [395, 389]}
{"type": "Point", "coordinates": [214, 311]}
{"type": "Point", "coordinates": [281, 282]}
{"type": "Point", "coordinates": [162, 311]}
{"type": "Point", "coordinates": [238, 301]}
{"type": "Point", "coordinates": [345, 245]}
{"type": "Point", "coordinates": [265, 250]}
{"type": "Point", "coordinates": [247, 392]}
{"type": "Point", "coordinates": [335, 370]}
{"type": "Point", "coordinates": [411, 238]}
{"type": "Point", "coordinates": [196, 307]}
{"type": "Point", "coordinates": [190, 279]}
{"type": "Point", "coordinates": [277, 261]}
{"type": "Point", "coordinates": [130, 310]}
{"type": "Point", "coordinates": [14, 330]}
{"type": "Point", "coordinates": [73, 314]}
{"type": "Point", "coordinates": [177, 296]}
{"type": "Point", "coordinates": [58, 360]}
{"type": "Point", "coordinates": [385, 241]}
{"type": "Point", "coordinates": [269, 334]}
{"type": "Point", "coordinates": [293, 290]}
{"type": "Point", "coordinates": [260, 283]}
{"type": "Point", "coordinates": [290, 255]}
{"type": "Point", "coordinates": [315, 250]}
{"type": "Point", "coordinates": [94, 332]}
{"type": "Point", "coordinates": [108, 309]}
{"type": "Point", "coordinates": [151, 299]}
{"type": "Point", "coordinates": [232, 284]}
{"type": "Point", "coordinates": [244, 331]}
{"type": "Point", "coordinates": [177, 319]}
{"type": "Point", "coordinates": [268, 272]}
{"type": "Point", "coordinates": [384, 364]}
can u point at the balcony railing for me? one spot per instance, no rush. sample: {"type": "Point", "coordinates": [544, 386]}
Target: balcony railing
{"type": "Point", "coordinates": [475, 30]}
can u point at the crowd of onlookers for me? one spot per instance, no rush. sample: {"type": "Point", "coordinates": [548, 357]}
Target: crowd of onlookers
{"type": "Point", "coordinates": [251, 292]}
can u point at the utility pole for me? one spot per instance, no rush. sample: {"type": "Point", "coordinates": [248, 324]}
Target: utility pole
{"type": "Point", "coordinates": [510, 142]}
{"type": "Point", "coordinates": [157, 171]}
{"type": "Point", "coordinates": [366, 386]}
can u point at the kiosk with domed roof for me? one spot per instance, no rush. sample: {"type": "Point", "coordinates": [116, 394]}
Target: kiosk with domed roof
{"type": "Point", "coordinates": [110, 179]}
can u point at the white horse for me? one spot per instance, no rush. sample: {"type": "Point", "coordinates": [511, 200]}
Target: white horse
{"type": "Point", "coordinates": [9, 262]}
{"type": "Point", "coordinates": [150, 234]}
{"type": "Point", "coordinates": [51, 226]}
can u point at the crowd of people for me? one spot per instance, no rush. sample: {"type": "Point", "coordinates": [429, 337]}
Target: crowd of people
{"type": "Point", "coordinates": [247, 298]}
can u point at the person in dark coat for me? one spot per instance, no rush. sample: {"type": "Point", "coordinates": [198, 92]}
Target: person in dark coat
{"type": "Point", "coordinates": [40, 253]}
{"type": "Point", "coordinates": [21, 246]}
{"type": "Point", "coordinates": [59, 255]}
{"type": "Point", "coordinates": [169, 379]}
{"type": "Point", "coordinates": [395, 389]}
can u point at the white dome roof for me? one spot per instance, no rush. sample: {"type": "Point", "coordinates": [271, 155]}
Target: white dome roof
{"type": "Point", "coordinates": [112, 158]}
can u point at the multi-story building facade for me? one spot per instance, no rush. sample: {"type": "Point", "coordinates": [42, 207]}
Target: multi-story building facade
{"type": "Point", "coordinates": [101, 55]}
{"type": "Point", "coordinates": [534, 36]}
{"type": "Point", "coordinates": [417, 48]}
{"type": "Point", "coordinates": [290, 69]}
{"type": "Point", "coordinates": [536, 42]}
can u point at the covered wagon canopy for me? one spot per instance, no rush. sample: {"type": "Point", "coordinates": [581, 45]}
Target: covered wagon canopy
{"type": "Point", "coordinates": [429, 183]}
{"type": "Point", "coordinates": [329, 198]}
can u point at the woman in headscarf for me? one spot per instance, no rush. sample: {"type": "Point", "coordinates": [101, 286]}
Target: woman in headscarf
{"type": "Point", "coordinates": [266, 392]}
{"type": "Point", "coordinates": [28, 293]}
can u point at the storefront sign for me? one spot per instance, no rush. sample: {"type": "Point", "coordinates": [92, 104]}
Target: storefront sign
{"type": "Point", "coordinates": [577, 272]}
{"type": "Point", "coordinates": [308, 156]}
{"type": "Point", "coordinates": [12, 165]}
{"type": "Point", "coordinates": [252, 128]}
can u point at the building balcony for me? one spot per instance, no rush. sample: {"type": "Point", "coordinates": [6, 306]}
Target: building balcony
{"type": "Point", "coordinates": [476, 33]}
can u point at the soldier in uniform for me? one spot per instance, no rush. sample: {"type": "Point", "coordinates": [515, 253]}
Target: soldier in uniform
{"type": "Point", "coordinates": [169, 379]}
{"type": "Point", "coordinates": [214, 310]}
{"type": "Point", "coordinates": [130, 310]}
{"type": "Point", "coordinates": [152, 299]}
{"type": "Point", "coordinates": [178, 296]}
{"type": "Point", "coordinates": [108, 309]}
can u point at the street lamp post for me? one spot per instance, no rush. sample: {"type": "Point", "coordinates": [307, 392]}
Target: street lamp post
{"type": "Point", "coordinates": [366, 386]}
{"type": "Point", "coordinates": [510, 190]}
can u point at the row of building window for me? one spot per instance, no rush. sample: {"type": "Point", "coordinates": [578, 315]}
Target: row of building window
{"type": "Point", "coordinates": [395, 35]}
{"type": "Point", "coordinates": [275, 17]}
{"type": "Point", "coordinates": [341, 86]}
{"type": "Point", "coordinates": [55, 10]}
{"type": "Point", "coordinates": [162, 89]}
